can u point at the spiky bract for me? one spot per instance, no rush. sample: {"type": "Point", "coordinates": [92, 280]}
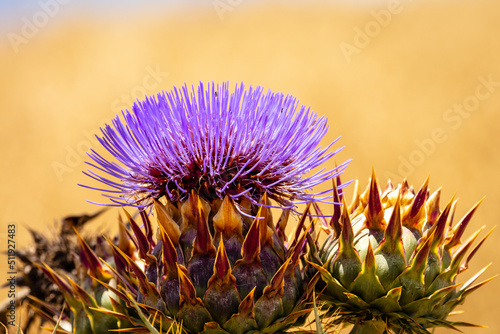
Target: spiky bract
{"type": "Point", "coordinates": [209, 268]}
{"type": "Point", "coordinates": [55, 248]}
{"type": "Point", "coordinates": [394, 268]}
{"type": "Point", "coordinates": [240, 144]}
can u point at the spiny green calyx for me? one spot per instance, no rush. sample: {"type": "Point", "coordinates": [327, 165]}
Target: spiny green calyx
{"type": "Point", "coordinates": [208, 268]}
{"type": "Point", "coordinates": [391, 260]}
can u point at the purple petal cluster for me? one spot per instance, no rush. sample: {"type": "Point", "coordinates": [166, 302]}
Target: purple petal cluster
{"type": "Point", "coordinates": [240, 143]}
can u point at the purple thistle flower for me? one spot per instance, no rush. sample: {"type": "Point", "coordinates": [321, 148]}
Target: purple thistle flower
{"type": "Point", "coordinates": [241, 144]}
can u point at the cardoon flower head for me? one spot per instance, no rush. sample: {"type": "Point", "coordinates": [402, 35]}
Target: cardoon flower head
{"type": "Point", "coordinates": [242, 144]}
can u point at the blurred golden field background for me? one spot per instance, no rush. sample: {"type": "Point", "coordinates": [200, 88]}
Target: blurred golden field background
{"type": "Point", "coordinates": [413, 88]}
